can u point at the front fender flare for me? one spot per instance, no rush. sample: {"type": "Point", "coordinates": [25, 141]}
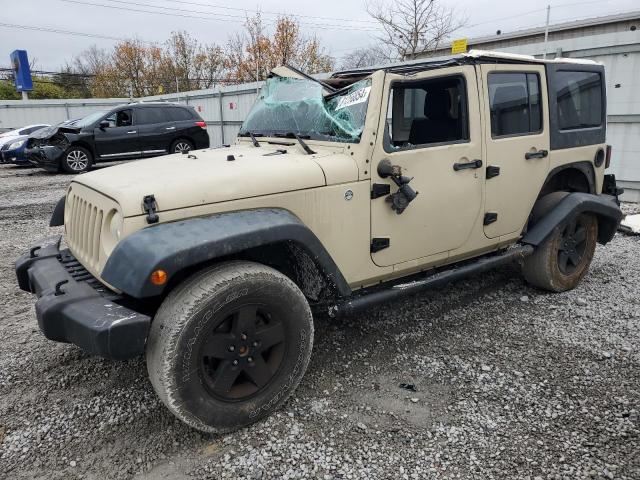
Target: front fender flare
{"type": "Point", "coordinates": [603, 206]}
{"type": "Point", "coordinates": [57, 217]}
{"type": "Point", "coordinates": [175, 246]}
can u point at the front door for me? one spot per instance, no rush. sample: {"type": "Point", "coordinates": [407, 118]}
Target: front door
{"type": "Point", "coordinates": [428, 134]}
{"type": "Point", "coordinates": [517, 138]}
{"type": "Point", "coordinates": [119, 139]}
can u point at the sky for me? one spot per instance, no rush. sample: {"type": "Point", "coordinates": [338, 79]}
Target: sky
{"type": "Point", "coordinates": [340, 25]}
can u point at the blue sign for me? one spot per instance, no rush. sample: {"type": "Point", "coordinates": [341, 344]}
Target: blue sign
{"type": "Point", "coordinates": [21, 71]}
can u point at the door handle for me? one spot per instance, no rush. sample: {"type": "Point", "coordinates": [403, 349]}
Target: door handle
{"type": "Point", "coordinates": [538, 154]}
{"type": "Point", "coordinates": [132, 131]}
{"type": "Point", "coordinates": [170, 128]}
{"type": "Point", "coordinates": [464, 166]}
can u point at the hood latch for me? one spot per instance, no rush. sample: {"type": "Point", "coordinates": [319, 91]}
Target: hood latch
{"type": "Point", "coordinates": [150, 207]}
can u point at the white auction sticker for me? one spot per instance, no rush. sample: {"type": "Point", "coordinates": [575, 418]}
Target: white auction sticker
{"type": "Point", "coordinates": [359, 96]}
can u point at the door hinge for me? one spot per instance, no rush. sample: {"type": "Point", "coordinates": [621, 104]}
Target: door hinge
{"type": "Point", "coordinates": [490, 217]}
{"type": "Point", "coordinates": [492, 171]}
{"type": "Point", "coordinates": [380, 190]}
{"type": "Point", "coordinates": [378, 244]}
{"type": "Point", "coordinates": [150, 207]}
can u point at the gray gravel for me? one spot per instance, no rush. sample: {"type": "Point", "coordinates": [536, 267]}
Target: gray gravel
{"type": "Point", "coordinates": [510, 383]}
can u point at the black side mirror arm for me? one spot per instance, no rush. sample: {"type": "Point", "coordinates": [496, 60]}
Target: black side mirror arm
{"type": "Point", "coordinates": [401, 199]}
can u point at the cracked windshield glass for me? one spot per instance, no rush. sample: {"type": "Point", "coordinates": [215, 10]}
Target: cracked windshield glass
{"type": "Point", "coordinates": [289, 106]}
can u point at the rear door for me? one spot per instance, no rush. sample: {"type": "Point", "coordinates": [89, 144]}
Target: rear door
{"type": "Point", "coordinates": [120, 138]}
{"type": "Point", "coordinates": [517, 144]}
{"type": "Point", "coordinates": [184, 122]}
{"type": "Point", "coordinates": [155, 129]}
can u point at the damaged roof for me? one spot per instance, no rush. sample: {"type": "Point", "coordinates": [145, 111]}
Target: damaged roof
{"type": "Point", "coordinates": [471, 57]}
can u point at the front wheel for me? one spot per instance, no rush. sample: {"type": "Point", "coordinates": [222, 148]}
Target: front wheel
{"type": "Point", "coordinates": [76, 160]}
{"type": "Point", "coordinates": [563, 260]}
{"type": "Point", "coordinates": [229, 345]}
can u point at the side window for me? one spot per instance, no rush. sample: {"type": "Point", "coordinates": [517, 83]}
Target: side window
{"type": "Point", "coordinates": [428, 112]}
{"type": "Point", "coordinates": [124, 118]}
{"type": "Point", "coordinates": [179, 114]}
{"type": "Point", "coordinates": [514, 99]}
{"type": "Point", "coordinates": [147, 115]}
{"type": "Point", "coordinates": [111, 119]}
{"type": "Point", "coordinates": [579, 99]}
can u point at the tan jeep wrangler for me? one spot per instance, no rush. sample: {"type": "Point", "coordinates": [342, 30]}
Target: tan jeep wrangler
{"type": "Point", "coordinates": [361, 188]}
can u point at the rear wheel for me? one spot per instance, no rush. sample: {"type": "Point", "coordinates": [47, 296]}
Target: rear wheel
{"type": "Point", "coordinates": [181, 145]}
{"type": "Point", "coordinates": [76, 160]}
{"type": "Point", "coordinates": [229, 345]}
{"type": "Point", "coordinates": [563, 260]}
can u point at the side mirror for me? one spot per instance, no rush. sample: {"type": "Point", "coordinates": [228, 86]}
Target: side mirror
{"type": "Point", "coordinates": [104, 124]}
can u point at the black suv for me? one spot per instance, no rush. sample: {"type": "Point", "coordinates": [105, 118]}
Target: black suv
{"type": "Point", "coordinates": [128, 131]}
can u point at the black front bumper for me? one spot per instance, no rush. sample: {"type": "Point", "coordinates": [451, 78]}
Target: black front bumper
{"type": "Point", "coordinates": [74, 307]}
{"type": "Point", "coordinates": [45, 156]}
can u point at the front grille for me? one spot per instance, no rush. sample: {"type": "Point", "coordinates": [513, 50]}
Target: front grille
{"type": "Point", "coordinates": [84, 227]}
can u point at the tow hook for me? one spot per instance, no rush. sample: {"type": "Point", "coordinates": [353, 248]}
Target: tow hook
{"type": "Point", "coordinates": [405, 195]}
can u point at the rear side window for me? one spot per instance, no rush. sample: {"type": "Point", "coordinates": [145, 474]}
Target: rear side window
{"type": "Point", "coordinates": [150, 115]}
{"type": "Point", "coordinates": [514, 99]}
{"type": "Point", "coordinates": [579, 97]}
{"type": "Point", "coordinates": [178, 114]}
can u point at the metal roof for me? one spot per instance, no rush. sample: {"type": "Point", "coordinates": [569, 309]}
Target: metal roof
{"type": "Point", "coordinates": [471, 57]}
{"type": "Point", "coordinates": [558, 27]}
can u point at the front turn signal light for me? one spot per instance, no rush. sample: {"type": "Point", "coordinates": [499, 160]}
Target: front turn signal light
{"type": "Point", "coordinates": [159, 277]}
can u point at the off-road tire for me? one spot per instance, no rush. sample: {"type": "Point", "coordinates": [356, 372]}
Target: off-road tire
{"type": "Point", "coordinates": [180, 145]}
{"type": "Point", "coordinates": [544, 268]}
{"type": "Point", "coordinates": [76, 160]}
{"type": "Point", "coordinates": [184, 326]}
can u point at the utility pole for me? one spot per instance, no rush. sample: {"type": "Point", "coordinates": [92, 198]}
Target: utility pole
{"type": "Point", "coordinates": [546, 32]}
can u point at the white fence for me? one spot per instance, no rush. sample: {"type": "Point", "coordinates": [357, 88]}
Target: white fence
{"type": "Point", "coordinates": [222, 109]}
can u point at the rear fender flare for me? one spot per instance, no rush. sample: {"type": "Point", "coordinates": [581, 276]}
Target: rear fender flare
{"type": "Point", "coordinates": [176, 246]}
{"type": "Point", "coordinates": [604, 207]}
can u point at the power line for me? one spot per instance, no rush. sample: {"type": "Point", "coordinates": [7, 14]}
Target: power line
{"type": "Point", "coordinates": [64, 32]}
{"type": "Point", "coordinates": [173, 12]}
{"type": "Point", "coordinates": [272, 13]}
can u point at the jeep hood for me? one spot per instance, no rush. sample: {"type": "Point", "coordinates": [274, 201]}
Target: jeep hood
{"type": "Point", "coordinates": [180, 181]}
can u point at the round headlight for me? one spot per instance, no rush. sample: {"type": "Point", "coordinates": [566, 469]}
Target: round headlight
{"type": "Point", "coordinates": [115, 226]}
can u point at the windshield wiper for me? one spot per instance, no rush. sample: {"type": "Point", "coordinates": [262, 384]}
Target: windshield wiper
{"type": "Point", "coordinates": [253, 137]}
{"type": "Point", "coordinates": [302, 143]}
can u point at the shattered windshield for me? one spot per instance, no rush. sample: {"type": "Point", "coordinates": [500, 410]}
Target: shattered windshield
{"type": "Point", "coordinates": [289, 106]}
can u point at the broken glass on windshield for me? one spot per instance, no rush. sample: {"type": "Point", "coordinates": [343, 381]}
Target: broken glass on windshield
{"type": "Point", "coordinates": [289, 106]}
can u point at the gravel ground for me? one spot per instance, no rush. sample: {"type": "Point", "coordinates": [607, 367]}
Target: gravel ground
{"type": "Point", "coordinates": [510, 383]}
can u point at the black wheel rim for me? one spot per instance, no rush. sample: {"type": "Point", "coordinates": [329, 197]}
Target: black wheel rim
{"type": "Point", "coordinates": [243, 353]}
{"type": "Point", "coordinates": [573, 244]}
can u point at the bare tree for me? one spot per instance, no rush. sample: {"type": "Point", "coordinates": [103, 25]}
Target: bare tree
{"type": "Point", "coordinates": [365, 57]}
{"type": "Point", "coordinates": [414, 26]}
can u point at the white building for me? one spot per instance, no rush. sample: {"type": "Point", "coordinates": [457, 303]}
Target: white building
{"type": "Point", "coordinates": [612, 40]}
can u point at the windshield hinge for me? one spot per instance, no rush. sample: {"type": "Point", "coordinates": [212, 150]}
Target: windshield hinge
{"type": "Point", "coordinates": [378, 244]}
{"type": "Point", "coordinates": [380, 190]}
{"type": "Point", "coordinates": [150, 207]}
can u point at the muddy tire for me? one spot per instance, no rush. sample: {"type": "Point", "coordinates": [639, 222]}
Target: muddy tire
{"type": "Point", "coordinates": [229, 345]}
{"type": "Point", "coordinates": [564, 258]}
{"type": "Point", "coordinates": [76, 160]}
